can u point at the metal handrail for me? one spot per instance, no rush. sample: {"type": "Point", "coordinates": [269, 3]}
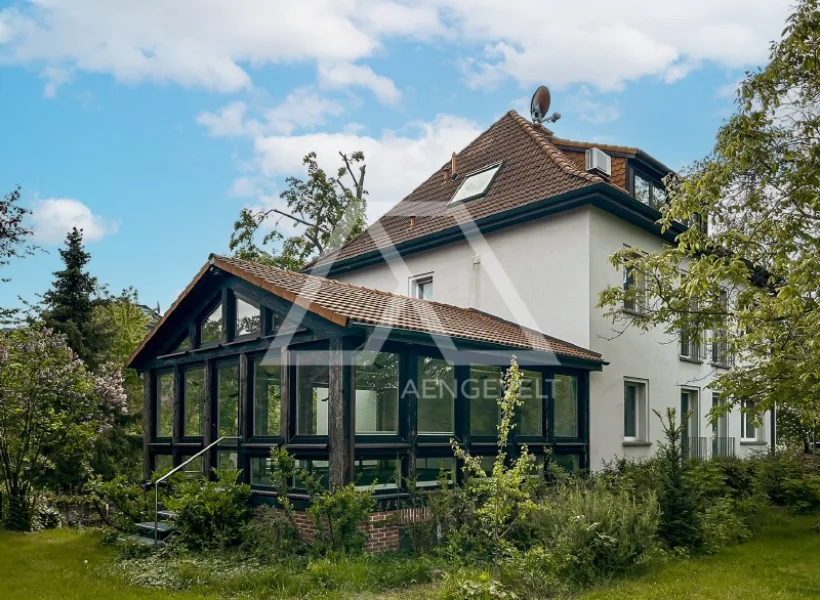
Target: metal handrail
{"type": "Point", "coordinates": [176, 470]}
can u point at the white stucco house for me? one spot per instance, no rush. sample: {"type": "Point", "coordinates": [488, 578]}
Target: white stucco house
{"type": "Point", "coordinates": [517, 226]}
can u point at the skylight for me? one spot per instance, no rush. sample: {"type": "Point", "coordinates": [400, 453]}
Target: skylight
{"type": "Point", "coordinates": [475, 184]}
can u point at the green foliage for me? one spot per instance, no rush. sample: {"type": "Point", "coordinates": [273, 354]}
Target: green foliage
{"type": "Point", "coordinates": [69, 304]}
{"type": "Point", "coordinates": [14, 241]}
{"type": "Point", "coordinates": [328, 211]}
{"type": "Point", "coordinates": [504, 497]}
{"type": "Point", "coordinates": [680, 525]}
{"type": "Point", "coordinates": [53, 411]}
{"type": "Point", "coordinates": [211, 514]}
{"type": "Point", "coordinates": [803, 494]}
{"type": "Point", "coordinates": [340, 515]}
{"type": "Point", "coordinates": [475, 586]}
{"type": "Point", "coordinates": [751, 281]}
{"type": "Point", "coordinates": [128, 503]}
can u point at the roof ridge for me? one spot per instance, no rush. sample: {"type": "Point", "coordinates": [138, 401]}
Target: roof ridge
{"type": "Point", "coordinates": [558, 157]}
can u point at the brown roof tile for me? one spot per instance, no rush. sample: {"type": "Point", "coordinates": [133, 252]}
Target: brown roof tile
{"type": "Point", "coordinates": [533, 169]}
{"type": "Point", "coordinates": [343, 303]}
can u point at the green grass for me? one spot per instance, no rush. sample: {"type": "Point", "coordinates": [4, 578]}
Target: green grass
{"type": "Point", "coordinates": [783, 563]}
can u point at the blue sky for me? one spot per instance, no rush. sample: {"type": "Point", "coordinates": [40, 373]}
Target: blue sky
{"type": "Point", "coordinates": [151, 124]}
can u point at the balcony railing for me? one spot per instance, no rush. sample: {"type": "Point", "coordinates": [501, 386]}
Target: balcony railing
{"type": "Point", "coordinates": [705, 448]}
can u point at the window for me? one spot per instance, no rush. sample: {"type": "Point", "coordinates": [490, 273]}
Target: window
{"type": "Point", "coordinates": [698, 222]}
{"type": "Point", "coordinates": [690, 427]}
{"type": "Point", "coordinates": [648, 191]}
{"type": "Point", "coordinates": [436, 396]}
{"type": "Point", "coordinates": [184, 345]}
{"type": "Point", "coordinates": [690, 339]}
{"type": "Point", "coordinates": [636, 300]}
{"type": "Point", "coordinates": [429, 469]}
{"type": "Point", "coordinates": [748, 429]}
{"type": "Point", "coordinates": [193, 401]}
{"type": "Point", "coordinates": [531, 411]}
{"type": "Point", "coordinates": [194, 469]}
{"type": "Point", "coordinates": [248, 318]}
{"type": "Point", "coordinates": [211, 328]}
{"type": "Point", "coordinates": [227, 460]}
{"type": "Point", "coordinates": [319, 469]}
{"type": "Point", "coordinates": [165, 405]}
{"type": "Point", "coordinates": [636, 407]}
{"type": "Point", "coordinates": [722, 444]}
{"type": "Point", "coordinates": [383, 472]}
{"type": "Point", "coordinates": [475, 184]}
{"type": "Point", "coordinates": [312, 379]}
{"type": "Point", "coordinates": [485, 390]}
{"type": "Point", "coordinates": [227, 400]}
{"type": "Point", "coordinates": [422, 287]}
{"type": "Point", "coordinates": [571, 463]}
{"type": "Point", "coordinates": [267, 396]}
{"type": "Point", "coordinates": [261, 471]}
{"type": "Point", "coordinates": [565, 403]}
{"type": "Point", "coordinates": [163, 463]}
{"type": "Point", "coordinates": [377, 392]}
{"type": "Point", "coordinates": [720, 336]}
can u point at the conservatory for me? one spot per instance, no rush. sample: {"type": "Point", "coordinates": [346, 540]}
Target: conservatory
{"type": "Point", "coordinates": [361, 386]}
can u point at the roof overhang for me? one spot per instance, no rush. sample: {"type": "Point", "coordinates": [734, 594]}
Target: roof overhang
{"type": "Point", "coordinates": [602, 195]}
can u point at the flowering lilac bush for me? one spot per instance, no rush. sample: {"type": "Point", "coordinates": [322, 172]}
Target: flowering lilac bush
{"type": "Point", "coordinates": [51, 412]}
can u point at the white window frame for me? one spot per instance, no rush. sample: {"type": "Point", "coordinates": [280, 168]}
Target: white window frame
{"type": "Point", "coordinates": [743, 426]}
{"type": "Point", "coordinates": [641, 410]}
{"type": "Point", "coordinates": [694, 419]}
{"type": "Point", "coordinates": [417, 281]}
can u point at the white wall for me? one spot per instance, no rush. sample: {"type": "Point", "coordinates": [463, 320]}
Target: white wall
{"type": "Point", "coordinates": [547, 274]}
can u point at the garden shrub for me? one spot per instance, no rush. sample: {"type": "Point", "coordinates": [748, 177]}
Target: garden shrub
{"type": "Point", "coordinates": [772, 472]}
{"type": "Point", "coordinates": [120, 502]}
{"type": "Point", "coordinates": [724, 524]}
{"type": "Point", "coordinates": [802, 494]}
{"type": "Point", "coordinates": [211, 514]}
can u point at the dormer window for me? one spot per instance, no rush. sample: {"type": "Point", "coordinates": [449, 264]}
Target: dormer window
{"type": "Point", "coordinates": [475, 184]}
{"type": "Point", "coordinates": [648, 191]}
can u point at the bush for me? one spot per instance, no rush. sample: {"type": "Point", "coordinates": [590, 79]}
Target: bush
{"type": "Point", "coordinates": [120, 502]}
{"type": "Point", "coordinates": [772, 473]}
{"type": "Point", "coordinates": [802, 494]}
{"type": "Point", "coordinates": [211, 514]}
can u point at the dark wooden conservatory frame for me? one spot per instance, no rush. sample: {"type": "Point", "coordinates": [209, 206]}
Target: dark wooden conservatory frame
{"type": "Point", "coordinates": [341, 447]}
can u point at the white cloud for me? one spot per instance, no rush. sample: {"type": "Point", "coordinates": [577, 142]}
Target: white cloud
{"type": "Point", "coordinates": [53, 218]}
{"type": "Point", "coordinates": [592, 110]}
{"type": "Point", "coordinates": [229, 121]}
{"type": "Point", "coordinates": [55, 77]}
{"type": "Point", "coordinates": [397, 162]}
{"type": "Point", "coordinates": [215, 44]}
{"type": "Point", "coordinates": [343, 75]}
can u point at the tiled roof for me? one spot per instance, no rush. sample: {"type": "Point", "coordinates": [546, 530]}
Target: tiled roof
{"type": "Point", "coordinates": [343, 304]}
{"type": "Point", "coordinates": [532, 169]}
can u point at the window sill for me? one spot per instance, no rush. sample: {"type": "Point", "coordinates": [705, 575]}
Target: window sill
{"type": "Point", "coordinates": [720, 366]}
{"type": "Point", "coordinates": [753, 443]}
{"type": "Point", "coordinates": [694, 361]}
{"type": "Point", "coordinates": [635, 444]}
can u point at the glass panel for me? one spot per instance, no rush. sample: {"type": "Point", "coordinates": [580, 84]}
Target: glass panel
{"type": "Point", "coordinates": [320, 468]}
{"type": "Point", "coordinates": [485, 390]}
{"type": "Point", "coordinates": [194, 401]}
{"type": "Point", "coordinates": [381, 471]}
{"type": "Point", "coordinates": [261, 471]}
{"type": "Point", "coordinates": [487, 463]}
{"type": "Point", "coordinates": [569, 462]}
{"type": "Point", "coordinates": [749, 431]}
{"type": "Point", "coordinates": [658, 196]}
{"type": "Point", "coordinates": [163, 463]}
{"type": "Point", "coordinates": [193, 470]}
{"type": "Point", "coordinates": [475, 185]}
{"type": "Point", "coordinates": [227, 460]}
{"type": "Point", "coordinates": [565, 391]}
{"type": "Point", "coordinates": [377, 392]}
{"type": "Point", "coordinates": [424, 289]}
{"type": "Point", "coordinates": [165, 405]}
{"type": "Point", "coordinates": [227, 395]}
{"type": "Point", "coordinates": [248, 318]}
{"type": "Point", "coordinates": [531, 412]}
{"type": "Point", "coordinates": [267, 395]}
{"type": "Point", "coordinates": [212, 326]}
{"type": "Point", "coordinates": [184, 345]}
{"type": "Point", "coordinates": [642, 189]}
{"type": "Point", "coordinates": [312, 377]}
{"type": "Point", "coordinates": [630, 410]}
{"type": "Point", "coordinates": [436, 394]}
{"type": "Point", "coordinates": [427, 470]}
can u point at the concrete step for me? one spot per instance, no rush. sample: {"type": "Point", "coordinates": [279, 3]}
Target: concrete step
{"type": "Point", "coordinates": [141, 539]}
{"type": "Point", "coordinates": [163, 529]}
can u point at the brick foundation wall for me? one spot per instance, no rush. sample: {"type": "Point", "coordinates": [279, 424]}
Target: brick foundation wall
{"type": "Point", "coordinates": [383, 529]}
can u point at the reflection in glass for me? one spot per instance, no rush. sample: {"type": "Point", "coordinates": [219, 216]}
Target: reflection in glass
{"type": "Point", "coordinates": [485, 391]}
{"type": "Point", "coordinates": [312, 379]}
{"type": "Point", "coordinates": [165, 405]}
{"type": "Point", "coordinates": [531, 411]}
{"type": "Point", "coordinates": [261, 471]}
{"type": "Point", "coordinates": [227, 381]}
{"type": "Point", "coordinates": [163, 463]}
{"type": "Point", "coordinates": [211, 330]}
{"type": "Point", "coordinates": [565, 391]}
{"type": "Point", "coordinates": [194, 401]}
{"type": "Point", "coordinates": [436, 395]}
{"type": "Point", "coordinates": [319, 468]}
{"type": "Point", "coordinates": [642, 189]}
{"type": "Point", "coordinates": [248, 318]}
{"type": "Point", "coordinates": [428, 470]}
{"type": "Point", "coordinates": [267, 395]}
{"type": "Point", "coordinates": [377, 392]}
{"type": "Point", "coordinates": [383, 472]}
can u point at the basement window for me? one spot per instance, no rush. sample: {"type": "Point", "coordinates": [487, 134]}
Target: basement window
{"type": "Point", "coordinates": [475, 184]}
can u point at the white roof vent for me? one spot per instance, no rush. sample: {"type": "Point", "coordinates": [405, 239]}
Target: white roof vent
{"type": "Point", "coordinates": [599, 162]}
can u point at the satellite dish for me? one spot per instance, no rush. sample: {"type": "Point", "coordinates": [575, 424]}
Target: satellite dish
{"type": "Point", "coordinates": [540, 105]}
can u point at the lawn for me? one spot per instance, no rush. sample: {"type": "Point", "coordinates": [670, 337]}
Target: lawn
{"type": "Point", "coordinates": [781, 564]}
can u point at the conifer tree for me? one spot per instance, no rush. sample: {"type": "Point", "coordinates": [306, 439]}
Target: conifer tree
{"type": "Point", "coordinates": [70, 302]}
